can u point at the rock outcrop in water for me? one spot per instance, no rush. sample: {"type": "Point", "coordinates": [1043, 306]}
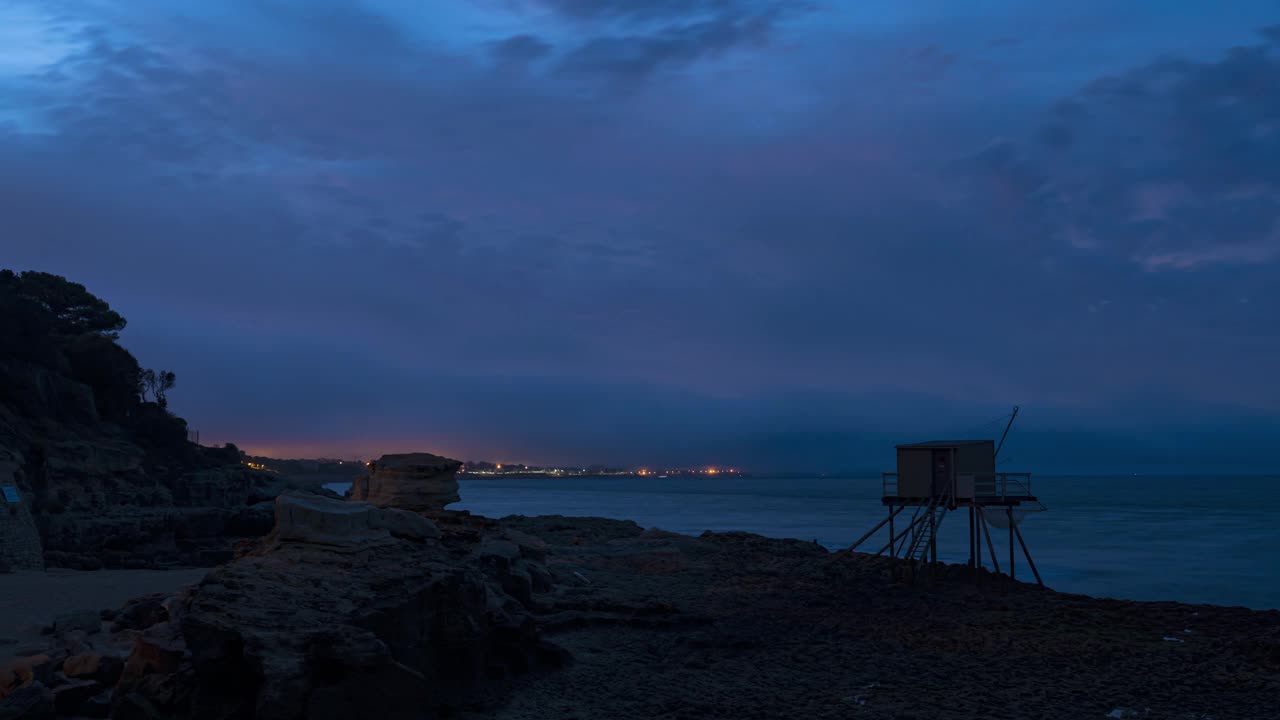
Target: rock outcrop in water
{"type": "Point", "coordinates": [419, 482]}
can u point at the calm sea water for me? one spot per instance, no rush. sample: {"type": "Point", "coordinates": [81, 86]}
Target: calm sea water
{"type": "Point", "coordinates": [1192, 539]}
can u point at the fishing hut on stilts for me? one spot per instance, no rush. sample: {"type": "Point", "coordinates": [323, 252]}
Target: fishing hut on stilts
{"type": "Point", "coordinates": [940, 477]}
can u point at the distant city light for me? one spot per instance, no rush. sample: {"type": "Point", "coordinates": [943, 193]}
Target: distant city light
{"type": "Point", "coordinates": [525, 470]}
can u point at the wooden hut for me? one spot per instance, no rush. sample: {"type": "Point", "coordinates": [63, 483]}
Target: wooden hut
{"type": "Point", "coordinates": [937, 477]}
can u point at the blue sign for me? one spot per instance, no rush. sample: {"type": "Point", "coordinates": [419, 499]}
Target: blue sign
{"type": "Point", "coordinates": [10, 494]}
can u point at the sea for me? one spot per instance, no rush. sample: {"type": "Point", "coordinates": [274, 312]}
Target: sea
{"type": "Point", "coordinates": [1194, 539]}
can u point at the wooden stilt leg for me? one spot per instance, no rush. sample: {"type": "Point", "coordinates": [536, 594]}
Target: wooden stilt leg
{"type": "Point", "coordinates": [971, 564]}
{"type": "Point", "coordinates": [892, 551]}
{"type": "Point", "coordinates": [933, 537]}
{"type": "Point", "coordinates": [901, 536]}
{"type": "Point", "coordinates": [991, 547]}
{"type": "Point", "coordinates": [1010, 511]}
{"type": "Point", "coordinates": [977, 537]}
{"type": "Point", "coordinates": [1030, 562]}
{"type": "Point", "coordinates": [879, 525]}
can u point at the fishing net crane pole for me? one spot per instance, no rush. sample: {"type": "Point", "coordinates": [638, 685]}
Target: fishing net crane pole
{"type": "Point", "coordinates": [1005, 434]}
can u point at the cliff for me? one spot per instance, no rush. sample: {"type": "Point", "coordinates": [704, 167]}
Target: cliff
{"type": "Point", "coordinates": [104, 472]}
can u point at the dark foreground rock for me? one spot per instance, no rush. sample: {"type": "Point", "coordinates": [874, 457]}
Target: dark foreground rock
{"type": "Point", "coordinates": [446, 614]}
{"type": "Point", "coordinates": [732, 625]}
{"type": "Point", "coordinates": [344, 611]}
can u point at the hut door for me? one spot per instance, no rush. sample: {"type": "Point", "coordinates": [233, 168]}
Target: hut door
{"type": "Point", "coordinates": [941, 471]}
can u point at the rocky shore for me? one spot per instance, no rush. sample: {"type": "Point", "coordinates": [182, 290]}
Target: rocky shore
{"type": "Point", "coordinates": [350, 610]}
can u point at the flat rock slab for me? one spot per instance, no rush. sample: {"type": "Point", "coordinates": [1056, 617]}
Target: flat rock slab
{"type": "Point", "coordinates": [303, 517]}
{"type": "Point", "coordinates": [315, 519]}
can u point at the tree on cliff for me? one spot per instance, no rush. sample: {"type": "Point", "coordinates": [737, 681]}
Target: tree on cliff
{"type": "Point", "coordinates": [49, 322]}
{"type": "Point", "coordinates": [74, 310]}
{"type": "Point", "coordinates": [65, 375]}
{"type": "Point", "coordinates": [158, 383]}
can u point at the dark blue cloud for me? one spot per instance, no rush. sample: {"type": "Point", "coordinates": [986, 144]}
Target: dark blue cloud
{"type": "Point", "coordinates": [670, 9]}
{"type": "Point", "coordinates": [521, 49]}
{"type": "Point", "coordinates": [635, 56]}
{"type": "Point", "coordinates": [800, 234]}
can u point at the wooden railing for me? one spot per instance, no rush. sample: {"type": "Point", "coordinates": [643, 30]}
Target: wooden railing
{"type": "Point", "coordinates": [990, 486]}
{"type": "Point", "coordinates": [888, 484]}
{"type": "Point", "coordinates": [998, 486]}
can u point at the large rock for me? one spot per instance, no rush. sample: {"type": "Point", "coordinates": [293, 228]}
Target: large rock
{"type": "Point", "coordinates": [24, 671]}
{"type": "Point", "coordinates": [333, 616]}
{"type": "Point", "coordinates": [405, 524]}
{"type": "Point", "coordinates": [30, 702]}
{"type": "Point", "coordinates": [105, 669]}
{"type": "Point", "coordinates": [69, 696]}
{"type": "Point", "coordinates": [303, 517]}
{"type": "Point", "coordinates": [414, 481]}
{"type": "Point", "coordinates": [313, 519]}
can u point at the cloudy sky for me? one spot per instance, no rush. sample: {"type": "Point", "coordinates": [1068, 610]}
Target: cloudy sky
{"type": "Point", "coordinates": [772, 233]}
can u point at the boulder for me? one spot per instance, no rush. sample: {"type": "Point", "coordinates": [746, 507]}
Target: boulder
{"type": "Point", "coordinates": [98, 706]}
{"type": "Point", "coordinates": [160, 649]}
{"type": "Point", "coordinates": [73, 642]}
{"type": "Point", "coordinates": [105, 669]}
{"type": "Point", "coordinates": [337, 614]}
{"type": "Point", "coordinates": [152, 697]}
{"type": "Point", "coordinates": [24, 671]}
{"type": "Point", "coordinates": [405, 524]}
{"type": "Point", "coordinates": [531, 548]}
{"type": "Point", "coordinates": [414, 481]}
{"type": "Point", "coordinates": [30, 702]}
{"type": "Point", "coordinates": [69, 696]}
{"type": "Point", "coordinates": [141, 613]}
{"type": "Point", "coordinates": [500, 550]}
{"type": "Point", "coordinates": [501, 560]}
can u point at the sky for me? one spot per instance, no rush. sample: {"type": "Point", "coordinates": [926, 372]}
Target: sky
{"type": "Point", "coordinates": [777, 234]}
